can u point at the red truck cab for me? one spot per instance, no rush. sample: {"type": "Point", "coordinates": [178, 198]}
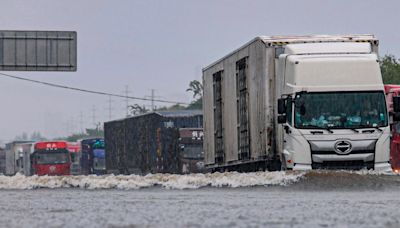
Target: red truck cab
{"type": "Point", "coordinates": [393, 91]}
{"type": "Point", "coordinates": [51, 158]}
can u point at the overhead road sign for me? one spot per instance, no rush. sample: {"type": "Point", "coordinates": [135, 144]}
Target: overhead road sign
{"type": "Point", "coordinates": [38, 50]}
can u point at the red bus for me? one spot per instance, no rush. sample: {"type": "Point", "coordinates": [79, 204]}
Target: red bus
{"type": "Point", "coordinates": [51, 158]}
{"type": "Point", "coordinates": [394, 91]}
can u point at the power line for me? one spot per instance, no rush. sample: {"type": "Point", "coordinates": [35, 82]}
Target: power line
{"type": "Point", "coordinates": [88, 91]}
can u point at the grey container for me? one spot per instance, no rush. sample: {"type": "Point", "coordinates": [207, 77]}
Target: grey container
{"type": "Point", "coordinates": [147, 143]}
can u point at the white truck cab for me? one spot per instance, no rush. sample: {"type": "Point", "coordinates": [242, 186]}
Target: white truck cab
{"type": "Point", "coordinates": [335, 107]}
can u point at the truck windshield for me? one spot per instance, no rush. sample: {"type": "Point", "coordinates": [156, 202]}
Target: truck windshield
{"type": "Point", "coordinates": [193, 151]}
{"type": "Point", "coordinates": [340, 110]}
{"type": "Point", "coordinates": [52, 157]}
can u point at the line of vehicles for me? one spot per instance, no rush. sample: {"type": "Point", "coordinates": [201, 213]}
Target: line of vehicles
{"type": "Point", "coordinates": [55, 157]}
{"type": "Point", "coordinates": [276, 103]}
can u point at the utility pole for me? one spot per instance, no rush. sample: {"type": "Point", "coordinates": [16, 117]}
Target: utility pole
{"type": "Point", "coordinates": [109, 108]}
{"type": "Point", "coordinates": [126, 92]}
{"type": "Point", "coordinates": [81, 122]}
{"type": "Point", "coordinates": [152, 100]}
{"type": "Point", "coordinates": [94, 115]}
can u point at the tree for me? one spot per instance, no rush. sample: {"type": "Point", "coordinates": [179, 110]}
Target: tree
{"type": "Point", "coordinates": [22, 137]}
{"type": "Point", "coordinates": [137, 110]}
{"type": "Point", "coordinates": [390, 68]}
{"type": "Point", "coordinates": [37, 136]}
{"type": "Point", "coordinates": [196, 88]}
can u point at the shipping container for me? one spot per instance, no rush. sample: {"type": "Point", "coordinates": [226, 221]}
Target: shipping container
{"type": "Point", "coordinates": [147, 143]}
{"type": "Point", "coordinates": [15, 161]}
{"type": "Point", "coordinates": [2, 161]}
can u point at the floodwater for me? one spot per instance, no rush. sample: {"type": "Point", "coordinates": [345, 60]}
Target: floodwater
{"type": "Point", "coordinates": [314, 199]}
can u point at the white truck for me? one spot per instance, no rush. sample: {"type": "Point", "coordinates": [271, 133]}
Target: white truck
{"type": "Point", "coordinates": [297, 102]}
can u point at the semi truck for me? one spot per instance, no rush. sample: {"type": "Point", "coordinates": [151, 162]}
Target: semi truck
{"type": "Point", "coordinates": [191, 150]}
{"type": "Point", "coordinates": [51, 158]}
{"type": "Point", "coordinates": [297, 102]}
{"type": "Point", "coordinates": [93, 156]}
{"type": "Point", "coordinates": [391, 92]}
{"type": "Point", "coordinates": [74, 149]}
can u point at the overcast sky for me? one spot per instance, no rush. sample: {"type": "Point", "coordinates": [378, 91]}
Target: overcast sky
{"type": "Point", "coordinates": [159, 45]}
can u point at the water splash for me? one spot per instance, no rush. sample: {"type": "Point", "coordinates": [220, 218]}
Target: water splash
{"type": "Point", "coordinates": [168, 181]}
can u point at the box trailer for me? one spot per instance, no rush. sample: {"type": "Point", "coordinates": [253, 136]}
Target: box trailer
{"type": "Point", "coordinates": [297, 102]}
{"type": "Point", "coordinates": [17, 157]}
{"type": "Point", "coordinates": [147, 143]}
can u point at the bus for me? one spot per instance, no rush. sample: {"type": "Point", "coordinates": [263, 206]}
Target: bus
{"type": "Point", "coordinates": [51, 158]}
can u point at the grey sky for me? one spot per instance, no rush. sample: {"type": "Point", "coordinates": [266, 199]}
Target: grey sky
{"type": "Point", "coordinates": [159, 45]}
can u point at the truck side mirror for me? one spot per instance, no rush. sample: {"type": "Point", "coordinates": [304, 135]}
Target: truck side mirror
{"type": "Point", "coordinates": [281, 106]}
{"type": "Point", "coordinates": [396, 104]}
{"type": "Point", "coordinates": [281, 119]}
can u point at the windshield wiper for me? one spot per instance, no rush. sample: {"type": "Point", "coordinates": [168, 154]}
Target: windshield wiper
{"type": "Point", "coordinates": [353, 129]}
{"type": "Point", "coordinates": [370, 126]}
{"type": "Point", "coordinates": [318, 127]}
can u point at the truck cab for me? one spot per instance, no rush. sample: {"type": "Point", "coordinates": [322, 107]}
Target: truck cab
{"type": "Point", "coordinates": [332, 107]}
{"type": "Point", "coordinates": [391, 92]}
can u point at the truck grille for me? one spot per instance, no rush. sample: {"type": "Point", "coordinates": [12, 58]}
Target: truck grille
{"type": "Point", "coordinates": [352, 152]}
{"type": "Point", "coordinates": [350, 165]}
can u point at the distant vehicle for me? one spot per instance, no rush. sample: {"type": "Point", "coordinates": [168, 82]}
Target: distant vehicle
{"type": "Point", "coordinates": [51, 158]}
{"type": "Point", "coordinates": [191, 146]}
{"type": "Point", "coordinates": [297, 102]}
{"type": "Point", "coordinates": [75, 150]}
{"type": "Point", "coordinates": [394, 91]}
{"type": "Point", "coordinates": [17, 157]}
{"type": "Point", "coordinates": [150, 143]}
{"type": "Point", "coordinates": [93, 156]}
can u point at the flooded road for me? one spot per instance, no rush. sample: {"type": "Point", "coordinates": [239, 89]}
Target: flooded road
{"type": "Point", "coordinates": [316, 199]}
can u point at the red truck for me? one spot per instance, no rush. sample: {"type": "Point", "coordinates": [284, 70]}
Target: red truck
{"type": "Point", "coordinates": [394, 91]}
{"type": "Point", "coordinates": [51, 158]}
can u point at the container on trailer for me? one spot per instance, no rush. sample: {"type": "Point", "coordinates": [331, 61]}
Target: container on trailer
{"type": "Point", "coordinates": [2, 161]}
{"type": "Point", "coordinates": [147, 143]}
{"type": "Point", "coordinates": [14, 157]}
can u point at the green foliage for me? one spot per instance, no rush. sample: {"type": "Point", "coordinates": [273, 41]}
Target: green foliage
{"type": "Point", "coordinates": [37, 136]}
{"type": "Point", "coordinates": [390, 68]}
{"type": "Point", "coordinates": [172, 108]}
{"type": "Point", "coordinates": [196, 88]}
{"type": "Point", "coordinates": [196, 105]}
